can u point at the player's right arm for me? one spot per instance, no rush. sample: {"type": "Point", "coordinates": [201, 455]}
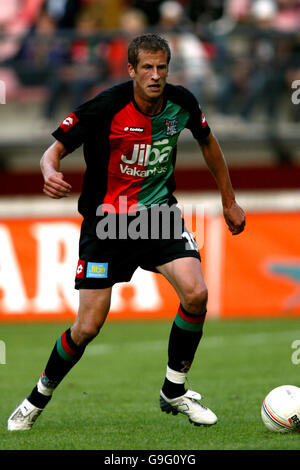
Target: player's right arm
{"type": "Point", "coordinates": [54, 184]}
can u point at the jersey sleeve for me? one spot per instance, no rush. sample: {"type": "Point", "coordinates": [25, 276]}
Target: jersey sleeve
{"type": "Point", "coordinates": [71, 131]}
{"type": "Point", "coordinates": [89, 121]}
{"type": "Point", "coordinates": [197, 122]}
{"type": "Point", "coordinates": [74, 130]}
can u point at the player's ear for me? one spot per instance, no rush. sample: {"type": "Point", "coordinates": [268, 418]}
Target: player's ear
{"type": "Point", "coordinates": [131, 71]}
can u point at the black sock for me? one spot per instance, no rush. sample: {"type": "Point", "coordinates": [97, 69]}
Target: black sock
{"type": "Point", "coordinates": [186, 333]}
{"type": "Point", "coordinates": [173, 390]}
{"type": "Point", "coordinates": [38, 399]}
{"type": "Point", "coordinates": [64, 356]}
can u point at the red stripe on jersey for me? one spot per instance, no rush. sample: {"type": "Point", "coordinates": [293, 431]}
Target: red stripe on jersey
{"type": "Point", "coordinates": [130, 139]}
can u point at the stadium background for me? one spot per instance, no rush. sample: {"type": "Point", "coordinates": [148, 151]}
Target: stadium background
{"type": "Point", "coordinates": [241, 59]}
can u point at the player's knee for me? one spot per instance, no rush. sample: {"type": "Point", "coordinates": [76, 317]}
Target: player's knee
{"type": "Point", "coordinates": [83, 332]}
{"type": "Point", "coordinates": [90, 331]}
{"type": "Point", "coordinates": [195, 301]}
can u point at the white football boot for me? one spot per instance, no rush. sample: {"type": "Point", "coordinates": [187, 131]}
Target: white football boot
{"type": "Point", "coordinates": [23, 417]}
{"type": "Point", "coordinates": [189, 405]}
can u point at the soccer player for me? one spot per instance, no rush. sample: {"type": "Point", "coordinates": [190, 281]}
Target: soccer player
{"type": "Point", "coordinates": [129, 135]}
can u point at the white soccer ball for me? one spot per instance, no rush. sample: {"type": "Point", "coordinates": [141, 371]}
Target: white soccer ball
{"type": "Point", "coordinates": [280, 410]}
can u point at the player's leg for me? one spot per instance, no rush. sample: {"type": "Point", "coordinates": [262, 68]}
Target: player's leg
{"type": "Point", "coordinates": [94, 305]}
{"type": "Point", "coordinates": [93, 308]}
{"type": "Point", "coordinates": [185, 275]}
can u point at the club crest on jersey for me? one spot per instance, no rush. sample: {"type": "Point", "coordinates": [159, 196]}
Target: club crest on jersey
{"type": "Point", "coordinates": [171, 126]}
{"type": "Point", "coordinates": [69, 122]}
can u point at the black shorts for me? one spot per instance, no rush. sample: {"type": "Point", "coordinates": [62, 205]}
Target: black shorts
{"type": "Point", "coordinates": [104, 262]}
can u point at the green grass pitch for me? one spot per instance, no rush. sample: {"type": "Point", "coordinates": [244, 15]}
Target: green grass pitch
{"type": "Point", "coordinates": [110, 400]}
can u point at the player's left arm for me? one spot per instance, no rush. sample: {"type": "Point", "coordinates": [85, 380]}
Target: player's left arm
{"type": "Point", "coordinates": [214, 158]}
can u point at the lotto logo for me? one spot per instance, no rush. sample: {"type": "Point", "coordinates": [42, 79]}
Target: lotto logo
{"type": "Point", "coordinates": [69, 122]}
{"type": "Point", "coordinates": [80, 269]}
{"type": "Point", "coordinates": [203, 120]}
{"type": "Point", "coordinates": [134, 129]}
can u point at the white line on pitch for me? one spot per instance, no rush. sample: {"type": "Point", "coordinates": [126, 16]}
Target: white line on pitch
{"type": "Point", "coordinates": [105, 348]}
{"type": "Point", "coordinates": [248, 339]}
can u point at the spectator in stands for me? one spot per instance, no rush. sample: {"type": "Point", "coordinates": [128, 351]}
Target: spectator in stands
{"type": "Point", "coordinates": [16, 19]}
{"type": "Point", "coordinates": [132, 23]}
{"type": "Point", "coordinates": [83, 67]}
{"type": "Point", "coordinates": [64, 12]}
{"type": "Point", "coordinates": [287, 18]}
{"type": "Point", "coordinates": [150, 9]}
{"type": "Point", "coordinates": [192, 67]}
{"type": "Point", "coordinates": [41, 50]}
{"type": "Point", "coordinates": [249, 67]}
{"type": "Point", "coordinates": [255, 82]}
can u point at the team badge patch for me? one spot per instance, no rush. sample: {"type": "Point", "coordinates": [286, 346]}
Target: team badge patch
{"type": "Point", "coordinates": [171, 126]}
{"type": "Point", "coordinates": [186, 365]}
{"type": "Point", "coordinates": [97, 270]}
{"type": "Point", "coordinates": [69, 122]}
{"type": "Point", "coordinates": [80, 269]}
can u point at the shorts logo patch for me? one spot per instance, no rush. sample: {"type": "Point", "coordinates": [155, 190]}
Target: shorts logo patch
{"type": "Point", "coordinates": [97, 270]}
{"type": "Point", "coordinates": [80, 269]}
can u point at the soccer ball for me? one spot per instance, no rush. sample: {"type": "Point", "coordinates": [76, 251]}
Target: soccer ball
{"type": "Point", "coordinates": [280, 411]}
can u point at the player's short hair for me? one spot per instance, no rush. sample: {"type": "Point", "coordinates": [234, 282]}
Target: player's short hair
{"type": "Point", "coordinates": [147, 42]}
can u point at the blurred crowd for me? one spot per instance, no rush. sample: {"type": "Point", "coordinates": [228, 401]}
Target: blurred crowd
{"type": "Point", "coordinates": [241, 56]}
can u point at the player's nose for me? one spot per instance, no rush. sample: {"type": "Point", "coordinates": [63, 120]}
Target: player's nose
{"type": "Point", "coordinates": [155, 74]}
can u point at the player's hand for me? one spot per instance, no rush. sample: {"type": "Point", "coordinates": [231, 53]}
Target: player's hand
{"type": "Point", "coordinates": [55, 186]}
{"type": "Point", "coordinates": [235, 218]}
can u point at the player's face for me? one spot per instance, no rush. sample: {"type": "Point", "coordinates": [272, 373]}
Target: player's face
{"type": "Point", "coordinates": [150, 74]}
